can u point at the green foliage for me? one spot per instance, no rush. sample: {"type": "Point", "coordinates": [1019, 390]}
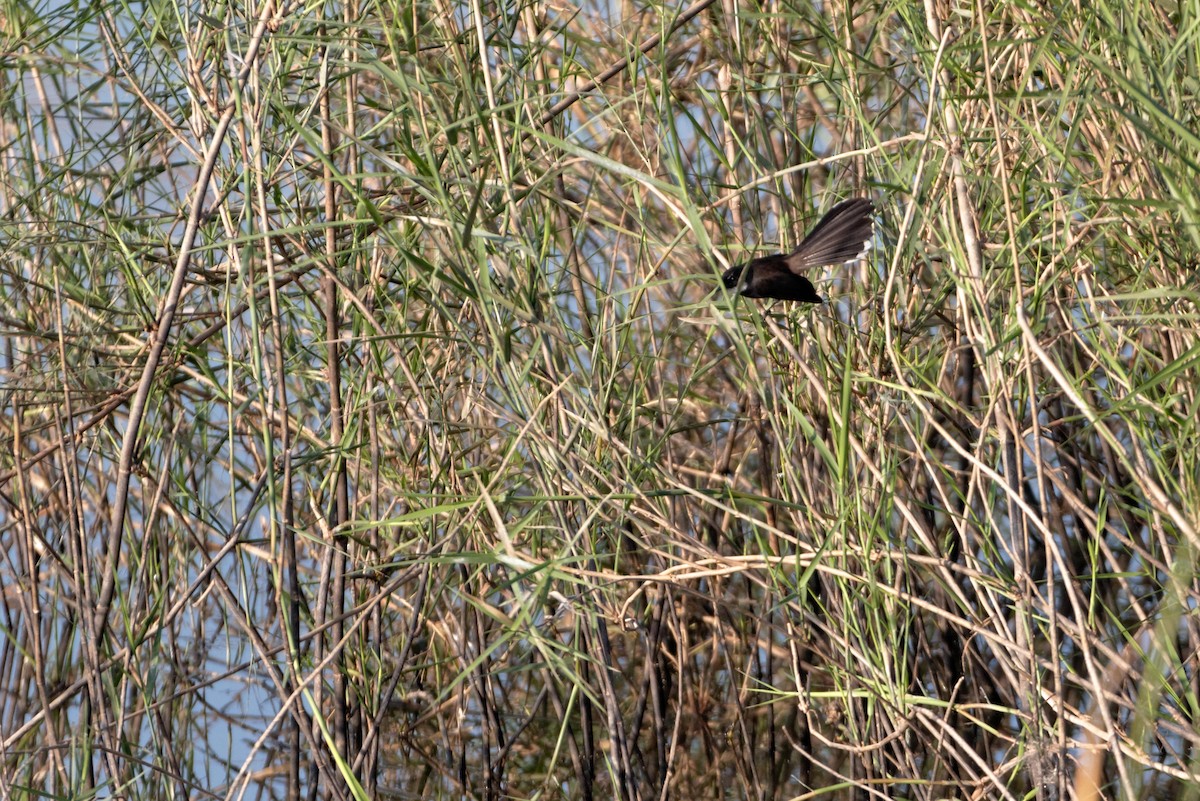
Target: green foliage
{"type": "Point", "coordinates": [459, 473]}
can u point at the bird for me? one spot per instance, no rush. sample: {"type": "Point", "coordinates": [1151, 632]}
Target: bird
{"type": "Point", "coordinates": [843, 235]}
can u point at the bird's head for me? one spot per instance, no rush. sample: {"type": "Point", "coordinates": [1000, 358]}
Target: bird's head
{"type": "Point", "coordinates": [732, 277]}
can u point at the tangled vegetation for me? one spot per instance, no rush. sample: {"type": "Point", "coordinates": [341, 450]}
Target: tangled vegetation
{"type": "Point", "coordinates": [376, 426]}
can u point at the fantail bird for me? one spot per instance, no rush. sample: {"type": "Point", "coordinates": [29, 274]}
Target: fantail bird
{"type": "Point", "coordinates": [843, 235]}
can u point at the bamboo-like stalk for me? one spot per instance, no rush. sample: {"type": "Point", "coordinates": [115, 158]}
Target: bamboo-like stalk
{"type": "Point", "coordinates": [377, 423]}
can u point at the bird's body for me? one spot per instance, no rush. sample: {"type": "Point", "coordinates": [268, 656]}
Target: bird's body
{"type": "Point", "coordinates": [843, 235]}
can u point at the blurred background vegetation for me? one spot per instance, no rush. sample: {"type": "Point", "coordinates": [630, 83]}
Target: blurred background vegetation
{"type": "Point", "coordinates": [374, 425]}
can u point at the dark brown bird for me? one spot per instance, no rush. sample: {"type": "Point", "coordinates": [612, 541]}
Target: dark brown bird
{"type": "Point", "coordinates": [843, 235]}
